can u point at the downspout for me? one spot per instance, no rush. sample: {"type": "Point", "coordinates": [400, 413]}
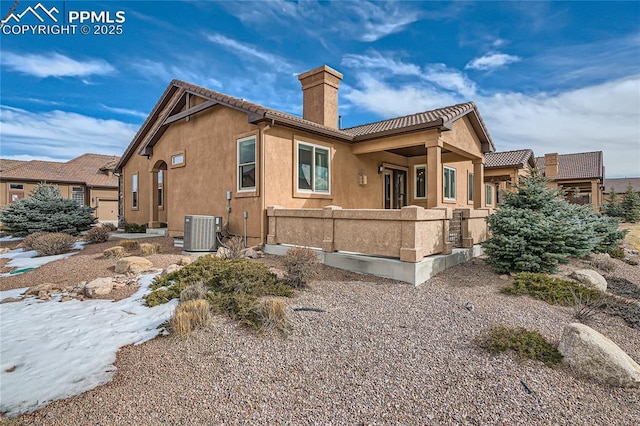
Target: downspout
{"type": "Point", "coordinates": [263, 186]}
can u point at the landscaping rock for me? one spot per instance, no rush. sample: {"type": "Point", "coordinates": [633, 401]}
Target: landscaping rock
{"type": "Point", "coordinates": [133, 265]}
{"type": "Point", "coordinates": [592, 354]}
{"type": "Point", "coordinates": [116, 251]}
{"type": "Point", "coordinates": [46, 287]}
{"type": "Point", "coordinates": [171, 268]}
{"type": "Point", "coordinates": [223, 253]}
{"type": "Point", "coordinates": [590, 278]}
{"type": "Point", "coordinates": [250, 254]}
{"type": "Point", "coordinates": [185, 260]}
{"type": "Point", "coordinates": [10, 300]}
{"type": "Point", "coordinates": [99, 287]}
{"type": "Point", "coordinates": [279, 273]}
{"type": "Point", "coordinates": [4, 250]}
{"type": "Point", "coordinates": [504, 277]}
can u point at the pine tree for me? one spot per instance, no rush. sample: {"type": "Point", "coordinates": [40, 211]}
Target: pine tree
{"type": "Point", "coordinates": [535, 229]}
{"type": "Point", "coordinates": [630, 205]}
{"type": "Point", "coordinates": [613, 208]}
{"type": "Point", "coordinates": [46, 211]}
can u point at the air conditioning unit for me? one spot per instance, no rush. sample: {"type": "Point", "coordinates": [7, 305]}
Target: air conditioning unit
{"type": "Point", "coordinates": [200, 232]}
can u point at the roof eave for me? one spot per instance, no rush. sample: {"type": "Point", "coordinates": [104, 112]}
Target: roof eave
{"type": "Point", "coordinates": [437, 124]}
{"type": "Point", "coordinates": [302, 126]}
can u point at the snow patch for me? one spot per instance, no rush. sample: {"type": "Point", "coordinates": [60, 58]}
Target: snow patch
{"type": "Point", "coordinates": [20, 258]}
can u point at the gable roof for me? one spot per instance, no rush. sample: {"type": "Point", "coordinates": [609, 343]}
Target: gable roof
{"type": "Point", "coordinates": [87, 169]}
{"type": "Point", "coordinates": [6, 164]}
{"type": "Point", "coordinates": [519, 159]}
{"type": "Point", "coordinates": [620, 184]}
{"type": "Point", "coordinates": [172, 100]}
{"type": "Point", "coordinates": [583, 165]}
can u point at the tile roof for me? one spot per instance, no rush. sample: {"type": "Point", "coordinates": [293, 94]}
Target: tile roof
{"type": "Point", "coordinates": [620, 184]}
{"type": "Point", "coordinates": [519, 159]}
{"type": "Point", "coordinates": [427, 119]}
{"type": "Point", "coordinates": [583, 165]}
{"type": "Point", "coordinates": [9, 164]}
{"type": "Point", "coordinates": [88, 169]}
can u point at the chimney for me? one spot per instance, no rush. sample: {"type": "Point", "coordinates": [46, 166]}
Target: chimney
{"type": "Point", "coordinates": [551, 165]}
{"type": "Point", "coordinates": [320, 95]}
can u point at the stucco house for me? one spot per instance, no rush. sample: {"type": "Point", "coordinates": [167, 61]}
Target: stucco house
{"type": "Point", "coordinates": [620, 186]}
{"type": "Point", "coordinates": [88, 179]}
{"type": "Point", "coordinates": [504, 169]}
{"type": "Point", "coordinates": [204, 152]}
{"type": "Point", "coordinates": [580, 175]}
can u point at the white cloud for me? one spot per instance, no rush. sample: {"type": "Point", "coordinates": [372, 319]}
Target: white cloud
{"type": "Point", "coordinates": [125, 111]}
{"type": "Point", "coordinates": [189, 72]}
{"type": "Point", "coordinates": [491, 60]}
{"type": "Point", "coordinates": [374, 60]}
{"type": "Point", "coordinates": [244, 51]}
{"type": "Point", "coordinates": [450, 79]}
{"type": "Point", "coordinates": [60, 135]}
{"type": "Point", "coordinates": [54, 65]}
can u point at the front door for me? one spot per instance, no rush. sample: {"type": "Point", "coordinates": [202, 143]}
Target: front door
{"type": "Point", "coordinates": [395, 189]}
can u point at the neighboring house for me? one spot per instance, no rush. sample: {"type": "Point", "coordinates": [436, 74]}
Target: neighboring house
{"type": "Point", "coordinates": [198, 147]}
{"type": "Point", "coordinates": [620, 185]}
{"type": "Point", "coordinates": [504, 169]}
{"type": "Point", "coordinates": [88, 179]}
{"type": "Point", "coordinates": [580, 175]}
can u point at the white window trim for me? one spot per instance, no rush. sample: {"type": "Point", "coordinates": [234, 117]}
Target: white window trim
{"type": "Point", "coordinates": [255, 163]}
{"type": "Point", "coordinates": [135, 190]}
{"type": "Point", "coordinates": [488, 188]}
{"type": "Point", "coordinates": [470, 189]}
{"type": "Point", "coordinates": [415, 182]}
{"type": "Point", "coordinates": [455, 183]}
{"type": "Point", "coordinates": [313, 170]}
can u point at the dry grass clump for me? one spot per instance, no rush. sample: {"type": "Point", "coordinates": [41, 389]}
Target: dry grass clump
{"type": "Point", "coordinates": [130, 245]}
{"type": "Point", "coordinates": [301, 264]}
{"type": "Point", "coordinates": [27, 242]}
{"type": "Point", "coordinates": [117, 252]}
{"type": "Point", "coordinates": [195, 291]}
{"type": "Point", "coordinates": [273, 314]}
{"type": "Point", "coordinates": [97, 234]}
{"type": "Point", "coordinates": [190, 315]}
{"type": "Point", "coordinates": [603, 262]}
{"type": "Point", "coordinates": [109, 226]}
{"type": "Point", "coordinates": [235, 245]}
{"type": "Point", "coordinates": [52, 243]}
{"type": "Point", "coordinates": [149, 249]}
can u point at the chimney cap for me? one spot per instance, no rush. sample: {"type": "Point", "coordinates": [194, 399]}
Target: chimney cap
{"type": "Point", "coordinates": [322, 68]}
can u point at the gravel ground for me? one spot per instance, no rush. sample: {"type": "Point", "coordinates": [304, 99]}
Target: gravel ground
{"type": "Point", "coordinates": [383, 353]}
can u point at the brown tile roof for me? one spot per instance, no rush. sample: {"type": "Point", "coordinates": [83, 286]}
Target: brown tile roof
{"type": "Point", "coordinates": [520, 159]}
{"type": "Point", "coordinates": [9, 164]}
{"type": "Point", "coordinates": [152, 128]}
{"type": "Point", "coordinates": [85, 169]}
{"type": "Point", "coordinates": [620, 184]}
{"type": "Point", "coordinates": [583, 165]}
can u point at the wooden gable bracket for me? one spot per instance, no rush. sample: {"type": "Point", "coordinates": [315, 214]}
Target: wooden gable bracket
{"type": "Point", "coordinates": [188, 112]}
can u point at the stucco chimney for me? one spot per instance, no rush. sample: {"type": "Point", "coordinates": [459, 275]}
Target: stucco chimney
{"type": "Point", "coordinates": [320, 95]}
{"type": "Point", "coordinates": [551, 165]}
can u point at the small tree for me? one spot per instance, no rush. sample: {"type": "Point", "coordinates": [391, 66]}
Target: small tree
{"type": "Point", "coordinates": [46, 211]}
{"type": "Point", "coordinates": [613, 208]}
{"type": "Point", "coordinates": [630, 205]}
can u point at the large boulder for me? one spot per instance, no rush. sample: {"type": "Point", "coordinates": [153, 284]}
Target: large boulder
{"type": "Point", "coordinates": [133, 265]}
{"type": "Point", "coordinates": [99, 287]}
{"type": "Point", "coordinates": [590, 353]}
{"type": "Point", "coordinates": [184, 260]}
{"type": "Point", "coordinates": [171, 268]}
{"type": "Point", "coordinates": [590, 278]}
{"type": "Point", "coordinates": [45, 287]}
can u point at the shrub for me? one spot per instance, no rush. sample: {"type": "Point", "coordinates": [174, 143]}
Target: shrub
{"type": "Point", "coordinates": [46, 211]}
{"type": "Point", "coordinates": [190, 315]}
{"type": "Point", "coordinates": [97, 234]}
{"type": "Point", "coordinates": [134, 228]}
{"type": "Point", "coordinates": [630, 205]}
{"type": "Point", "coordinates": [273, 314]}
{"type": "Point", "coordinates": [535, 229]}
{"type": "Point", "coordinates": [27, 241]}
{"type": "Point", "coordinates": [110, 226]}
{"type": "Point", "coordinates": [613, 208]}
{"type": "Point", "coordinates": [51, 243]}
{"type": "Point", "coordinates": [603, 262]}
{"type": "Point", "coordinates": [526, 343]}
{"type": "Point", "coordinates": [301, 264]}
{"type": "Point", "coordinates": [585, 306]}
{"type": "Point", "coordinates": [551, 290]}
{"type": "Point", "coordinates": [616, 253]}
{"type": "Point", "coordinates": [130, 245]}
{"type": "Point", "coordinates": [195, 291]}
{"type": "Point", "coordinates": [628, 310]}
{"type": "Point", "coordinates": [116, 252]}
{"type": "Point", "coordinates": [147, 249]}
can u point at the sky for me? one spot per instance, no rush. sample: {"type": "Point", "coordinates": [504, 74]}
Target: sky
{"type": "Point", "coordinates": [550, 76]}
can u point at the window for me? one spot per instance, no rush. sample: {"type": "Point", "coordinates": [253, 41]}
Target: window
{"type": "Point", "coordinates": [489, 196]}
{"type": "Point", "coordinates": [420, 192]}
{"type": "Point", "coordinates": [247, 164]}
{"type": "Point", "coordinates": [177, 159]}
{"type": "Point", "coordinates": [160, 188]}
{"type": "Point", "coordinates": [313, 168]}
{"type": "Point", "coordinates": [470, 186]}
{"type": "Point", "coordinates": [16, 186]}
{"type": "Point", "coordinates": [77, 195]}
{"type": "Point", "coordinates": [134, 191]}
{"type": "Point", "coordinates": [449, 183]}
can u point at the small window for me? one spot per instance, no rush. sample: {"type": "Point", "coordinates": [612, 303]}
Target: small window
{"type": "Point", "coordinates": [420, 192]}
{"type": "Point", "coordinates": [77, 194]}
{"type": "Point", "coordinates": [449, 183]}
{"type": "Point", "coordinates": [247, 164]}
{"type": "Point", "coordinates": [160, 189]}
{"type": "Point", "coordinates": [313, 168]}
{"type": "Point", "coordinates": [470, 186]}
{"type": "Point", "coordinates": [16, 186]}
{"type": "Point", "coordinates": [489, 195]}
{"type": "Point", "coordinates": [177, 159]}
{"type": "Point", "coordinates": [134, 191]}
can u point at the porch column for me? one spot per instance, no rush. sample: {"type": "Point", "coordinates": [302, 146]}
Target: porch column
{"type": "Point", "coordinates": [595, 195]}
{"type": "Point", "coordinates": [153, 199]}
{"type": "Point", "coordinates": [434, 172]}
{"type": "Point", "coordinates": [478, 183]}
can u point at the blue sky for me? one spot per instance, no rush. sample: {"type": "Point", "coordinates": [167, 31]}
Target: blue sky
{"type": "Point", "coordinates": [552, 76]}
